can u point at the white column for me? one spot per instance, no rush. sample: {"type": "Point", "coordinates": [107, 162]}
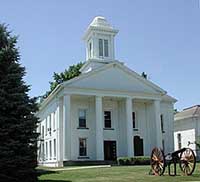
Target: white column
{"type": "Point", "coordinates": [129, 127]}
{"type": "Point", "coordinates": [67, 127]}
{"type": "Point", "coordinates": [99, 129]}
{"type": "Point", "coordinates": [59, 128]}
{"type": "Point", "coordinates": [158, 131]}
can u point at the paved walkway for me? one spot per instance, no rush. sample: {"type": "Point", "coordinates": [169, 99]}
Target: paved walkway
{"type": "Point", "coordinates": [77, 168]}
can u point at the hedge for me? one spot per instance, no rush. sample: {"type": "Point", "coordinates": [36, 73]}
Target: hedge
{"type": "Point", "coordinates": [139, 160]}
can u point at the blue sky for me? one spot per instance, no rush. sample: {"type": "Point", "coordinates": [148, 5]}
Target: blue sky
{"type": "Point", "coordinates": [160, 37]}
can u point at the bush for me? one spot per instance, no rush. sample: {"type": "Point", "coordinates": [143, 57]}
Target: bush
{"type": "Point", "coordinates": [139, 160]}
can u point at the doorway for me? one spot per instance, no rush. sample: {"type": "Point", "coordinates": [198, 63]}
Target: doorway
{"type": "Point", "coordinates": [138, 146]}
{"type": "Point", "coordinates": [110, 153]}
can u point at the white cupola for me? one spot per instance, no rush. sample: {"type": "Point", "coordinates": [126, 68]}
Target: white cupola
{"type": "Point", "coordinates": [99, 39]}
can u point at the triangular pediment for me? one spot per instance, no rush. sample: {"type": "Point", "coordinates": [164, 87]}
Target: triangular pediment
{"type": "Point", "coordinates": [117, 78]}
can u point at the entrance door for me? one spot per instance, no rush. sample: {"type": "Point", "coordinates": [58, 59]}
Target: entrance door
{"type": "Point", "coordinates": [110, 153]}
{"type": "Point", "coordinates": [138, 146]}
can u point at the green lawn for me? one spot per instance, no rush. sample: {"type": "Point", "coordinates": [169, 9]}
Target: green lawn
{"type": "Point", "coordinates": [117, 174]}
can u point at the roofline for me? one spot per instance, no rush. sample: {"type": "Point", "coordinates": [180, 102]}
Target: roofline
{"type": "Point", "coordinates": [185, 117]}
{"type": "Point", "coordinates": [50, 97]}
{"type": "Point", "coordinates": [191, 107]}
{"type": "Point", "coordinates": [117, 63]}
{"type": "Point", "coordinates": [170, 99]}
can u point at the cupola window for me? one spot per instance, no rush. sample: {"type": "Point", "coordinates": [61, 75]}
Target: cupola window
{"type": "Point", "coordinates": [90, 50]}
{"type": "Point", "coordinates": [103, 48]}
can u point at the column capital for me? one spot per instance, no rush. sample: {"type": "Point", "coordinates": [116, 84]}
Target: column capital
{"type": "Point", "coordinates": [98, 96]}
{"type": "Point", "coordinates": [156, 101]}
{"type": "Point", "coordinates": [67, 94]}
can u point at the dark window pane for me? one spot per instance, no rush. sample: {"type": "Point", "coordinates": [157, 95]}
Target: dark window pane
{"type": "Point", "coordinates": [90, 49]}
{"type": "Point", "coordinates": [106, 48]}
{"type": "Point", "coordinates": [82, 123]}
{"type": "Point", "coordinates": [82, 118]}
{"type": "Point", "coordinates": [100, 47]}
{"type": "Point", "coordinates": [133, 118]}
{"type": "Point", "coordinates": [179, 140]}
{"type": "Point", "coordinates": [107, 119]}
{"type": "Point", "coordinates": [162, 124]}
{"type": "Point", "coordinates": [82, 147]}
{"type": "Point", "coordinates": [107, 123]}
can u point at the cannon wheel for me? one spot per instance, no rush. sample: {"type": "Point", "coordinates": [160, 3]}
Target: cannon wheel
{"type": "Point", "coordinates": [187, 161]}
{"type": "Point", "coordinates": [157, 161]}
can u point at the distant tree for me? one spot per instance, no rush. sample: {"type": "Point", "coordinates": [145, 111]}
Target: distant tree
{"type": "Point", "coordinates": [18, 137]}
{"type": "Point", "coordinates": [67, 74]}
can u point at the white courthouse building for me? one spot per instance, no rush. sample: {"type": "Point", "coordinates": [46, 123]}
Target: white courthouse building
{"type": "Point", "coordinates": [108, 111]}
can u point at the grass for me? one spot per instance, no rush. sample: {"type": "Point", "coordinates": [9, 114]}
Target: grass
{"type": "Point", "coordinates": [116, 174]}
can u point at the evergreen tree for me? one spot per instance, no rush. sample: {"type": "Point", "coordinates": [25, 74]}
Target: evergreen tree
{"type": "Point", "coordinates": [18, 137]}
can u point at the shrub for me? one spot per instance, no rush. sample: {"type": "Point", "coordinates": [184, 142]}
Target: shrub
{"type": "Point", "coordinates": [138, 160]}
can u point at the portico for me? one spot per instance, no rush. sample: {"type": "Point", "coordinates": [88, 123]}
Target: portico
{"type": "Point", "coordinates": [121, 130]}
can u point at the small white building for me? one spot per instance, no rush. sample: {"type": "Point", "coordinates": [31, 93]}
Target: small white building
{"type": "Point", "coordinates": [108, 111]}
{"type": "Point", "coordinates": [187, 128]}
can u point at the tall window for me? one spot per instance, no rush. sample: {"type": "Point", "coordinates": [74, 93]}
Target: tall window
{"type": "Point", "coordinates": [107, 119]}
{"type": "Point", "coordinates": [50, 150]}
{"type": "Point", "coordinates": [46, 152]}
{"type": "Point", "coordinates": [54, 120]}
{"type": "Point", "coordinates": [43, 152]}
{"type": "Point", "coordinates": [42, 134]}
{"type": "Point", "coordinates": [100, 47]}
{"type": "Point", "coordinates": [179, 140]}
{"type": "Point", "coordinates": [103, 48]}
{"type": "Point", "coordinates": [82, 118]}
{"type": "Point", "coordinates": [82, 147]}
{"type": "Point", "coordinates": [90, 50]}
{"type": "Point", "coordinates": [54, 145]}
{"type": "Point", "coordinates": [50, 123]}
{"type": "Point", "coordinates": [106, 48]}
{"type": "Point", "coordinates": [46, 126]}
{"type": "Point", "coordinates": [162, 124]}
{"type": "Point", "coordinates": [133, 119]}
